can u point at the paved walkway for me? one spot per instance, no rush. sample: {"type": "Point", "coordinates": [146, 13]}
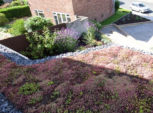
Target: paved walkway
{"type": "Point", "coordinates": [140, 36]}
{"type": "Point", "coordinates": [142, 32]}
{"type": "Point", "coordinates": [108, 30]}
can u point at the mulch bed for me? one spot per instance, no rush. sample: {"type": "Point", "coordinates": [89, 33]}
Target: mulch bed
{"type": "Point", "coordinates": [130, 18]}
{"type": "Point", "coordinates": [111, 80]}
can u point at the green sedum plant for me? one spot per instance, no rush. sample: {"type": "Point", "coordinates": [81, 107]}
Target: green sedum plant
{"type": "Point", "coordinates": [28, 88]}
{"type": "Point", "coordinates": [40, 45]}
{"type": "Point", "coordinates": [37, 22]}
{"type": "Point", "coordinates": [3, 19]}
{"type": "Point", "coordinates": [50, 83]}
{"type": "Point", "coordinates": [34, 100]}
{"type": "Point", "coordinates": [17, 28]}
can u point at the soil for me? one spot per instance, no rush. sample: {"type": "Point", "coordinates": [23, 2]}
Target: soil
{"type": "Point", "coordinates": [130, 18]}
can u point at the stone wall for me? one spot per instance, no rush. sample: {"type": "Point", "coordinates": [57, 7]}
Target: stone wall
{"type": "Point", "coordinates": [78, 25]}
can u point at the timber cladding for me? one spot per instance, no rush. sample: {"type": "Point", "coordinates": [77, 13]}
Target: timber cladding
{"type": "Point", "coordinates": [20, 43]}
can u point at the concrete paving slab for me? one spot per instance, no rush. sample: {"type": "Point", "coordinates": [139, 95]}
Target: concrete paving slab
{"type": "Point", "coordinates": [142, 32]}
{"type": "Point", "coordinates": [108, 30]}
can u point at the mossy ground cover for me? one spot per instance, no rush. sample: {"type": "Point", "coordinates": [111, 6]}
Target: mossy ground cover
{"type": "Point", "coordinates": [112, 80]}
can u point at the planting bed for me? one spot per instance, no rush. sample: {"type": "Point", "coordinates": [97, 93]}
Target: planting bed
{"type": "Point", "coordinates": [110, 80]}
{"type": "Point", "coordinates": [130, 18]}
{"type": "Point", "coordinates": [81, 45]}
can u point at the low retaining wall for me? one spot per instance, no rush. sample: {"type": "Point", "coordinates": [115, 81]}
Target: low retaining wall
{"type": "Point", "coordinates": [20, 43]}
{"type": "Point", "coordinates": [78, 25]}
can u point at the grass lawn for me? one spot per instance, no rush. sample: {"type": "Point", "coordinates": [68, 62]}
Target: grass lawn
{"type": "Point", "coordinates": [111, 80]}
{"type": "Point", "coordinates": [118, 14]}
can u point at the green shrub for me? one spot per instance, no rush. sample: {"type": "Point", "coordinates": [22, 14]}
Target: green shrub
{"type": "Point", "coordinates": [23, 2]}
{"type": "Point", "coordinates": [15, 3]}
{"type": "Point", "coordinates": [37, 22]}
{"type": "Point", "coordinates": [16, 11]}
{"type": "Point", "coordinates": [117, 5]}
{"type": "Point", "coordinates": [97, 25]}
{"type": "Point", "coordinates": [40, 45]}
{"type": "Point", "coordinates": [89, 36]}
{"type": "Point", "coordinates": [3, 19]}
{"type": "Point", "coordinates": [105, 39]}
{"type": "Point", "coordinates": [28, 88]}
{"type": "Point", "coordinates": [18, 28]}
{"type": "Point", "coordinates": [1, 2]}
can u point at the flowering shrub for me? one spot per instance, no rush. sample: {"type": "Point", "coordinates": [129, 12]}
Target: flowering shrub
{"type": "Point", "coordinates": [37, 22]}
{"type": "Point", "coordinates": [90, 35]}
{"type": "Point", "coordinates": [66, 40]}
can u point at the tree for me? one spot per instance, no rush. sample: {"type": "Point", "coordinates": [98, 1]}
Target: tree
{"type": "Point", "coordinates": [1, 2]}
{"type": "Point", "coordinates": [117, 5]}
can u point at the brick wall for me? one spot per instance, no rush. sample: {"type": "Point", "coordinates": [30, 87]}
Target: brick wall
{"type": "Point", "coordinates": [94, 9]}
{"type": "Point", "coordinates": [50, 6]}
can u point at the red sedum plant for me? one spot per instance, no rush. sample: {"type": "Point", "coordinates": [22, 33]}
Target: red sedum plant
{"type": "Point", "coordinates": [110, 80]}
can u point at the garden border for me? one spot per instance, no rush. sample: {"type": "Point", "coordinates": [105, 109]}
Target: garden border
{"type": "Point", "coordinates": [22, 60]}
{"type": "Point", "coordinates": [120, 18]}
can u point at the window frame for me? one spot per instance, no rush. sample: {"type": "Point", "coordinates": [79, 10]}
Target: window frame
{"type": "Point", "coordinates": [39, 11]}
{"type": "Point", "coordinates": [67, 17]}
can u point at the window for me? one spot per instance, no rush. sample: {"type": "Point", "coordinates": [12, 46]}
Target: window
{"type": "Point", "coordinates": [141, 5]}
{"type": "Point", "coordinates": [39, 13]}
{"type": "Point", "coordinates": [61, 18]}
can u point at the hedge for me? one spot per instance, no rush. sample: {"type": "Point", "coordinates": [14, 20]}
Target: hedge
{"type": "Point", "coordinates": [16, 11]}
{"type": "Point", "coordinates": [117, 5]}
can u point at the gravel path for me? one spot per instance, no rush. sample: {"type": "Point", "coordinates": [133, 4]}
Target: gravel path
{"type": "Point", "coordinates": [4, 35]}
{"type": "Point", "coordinates": [6, 106]}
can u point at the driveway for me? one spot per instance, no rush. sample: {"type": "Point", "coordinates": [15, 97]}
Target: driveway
{"type": "Point", "coordinates": [126, 4]}
{"type": "Point", "coordinates": [141, 32]}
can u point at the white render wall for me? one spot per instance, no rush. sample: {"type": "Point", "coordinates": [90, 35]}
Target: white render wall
{"type": "Point", "coordinates": [78, 25]}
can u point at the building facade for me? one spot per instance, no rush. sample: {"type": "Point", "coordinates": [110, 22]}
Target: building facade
{"type": "Point", "coordinates": [62, 11]}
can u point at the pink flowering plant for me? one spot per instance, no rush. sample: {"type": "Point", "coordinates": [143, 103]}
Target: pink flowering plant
{"type": "Point", "coordinates": [66, 40]}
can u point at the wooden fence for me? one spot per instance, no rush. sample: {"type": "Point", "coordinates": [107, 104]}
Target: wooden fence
{"type": "Point", "coordinates": [20, 43]}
